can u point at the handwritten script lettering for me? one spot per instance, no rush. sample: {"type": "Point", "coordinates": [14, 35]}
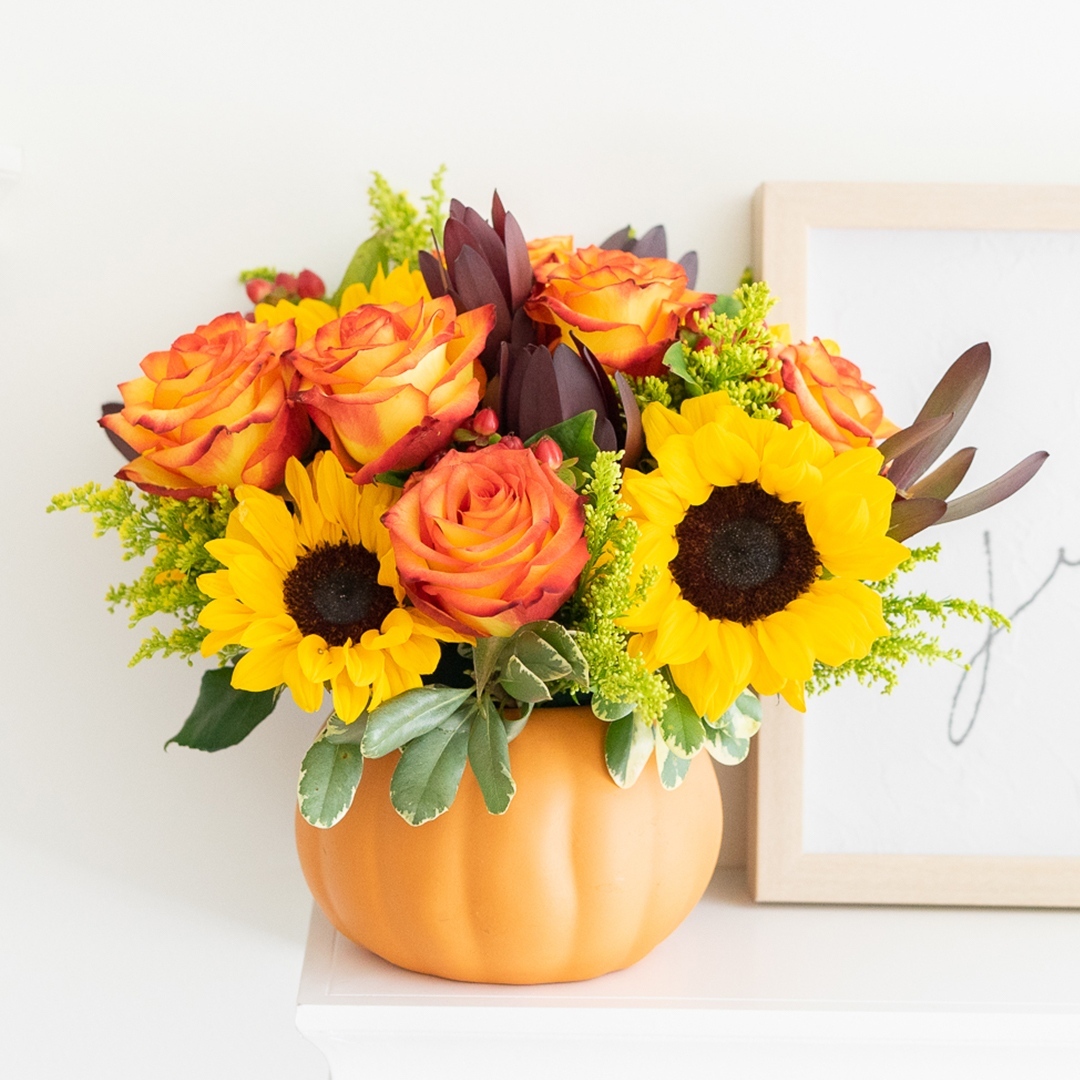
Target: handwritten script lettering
{"type": "Point", "coordinates": [981, 658]}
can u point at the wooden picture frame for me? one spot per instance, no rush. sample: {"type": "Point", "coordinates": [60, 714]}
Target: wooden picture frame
{"type": "Point", "coordinates": [779, 868]}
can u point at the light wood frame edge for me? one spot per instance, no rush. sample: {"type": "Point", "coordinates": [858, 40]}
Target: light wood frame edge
{"type": "Point", "coordinates": [778, 868]}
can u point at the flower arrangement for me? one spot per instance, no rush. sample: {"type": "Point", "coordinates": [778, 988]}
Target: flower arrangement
{"type": "Point", "coordinates": [488, 474]}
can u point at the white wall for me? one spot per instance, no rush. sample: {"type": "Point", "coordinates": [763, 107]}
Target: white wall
{"type": "Point", "coordinates": [151, 911]}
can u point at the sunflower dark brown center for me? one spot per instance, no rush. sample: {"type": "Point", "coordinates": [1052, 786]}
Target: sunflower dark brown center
{"type": "Point", "coordinates": [334, 592]}
{"type": "Point", "coordinates": [743, 554]}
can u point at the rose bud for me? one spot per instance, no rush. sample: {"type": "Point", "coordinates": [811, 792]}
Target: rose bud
{"type": "Point", "coordinates": [549, 452]}
{"type": "Point", "coordinates": [310, 286]}
{"type": "Point", "coordinates": [257, 289]}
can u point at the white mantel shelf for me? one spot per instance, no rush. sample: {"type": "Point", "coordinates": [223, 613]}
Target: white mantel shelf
{"type": "Point", "coordinates": [739, 990]}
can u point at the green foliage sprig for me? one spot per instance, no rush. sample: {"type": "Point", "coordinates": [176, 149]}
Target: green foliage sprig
{"type": "Point", "coordinates": [174, 533]}
{"type": "Point", "coordinates": [605, 594]}
{"type": "Point", "coordinates": [727, 350]}
{"type": "Point", "coordinates": [908, 639]}
{"type": "Point", "coordinates": [406, 229]}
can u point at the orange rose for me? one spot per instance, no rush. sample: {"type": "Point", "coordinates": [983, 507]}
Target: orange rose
{"type": "Point", "coordinates": [213, 410]}
{"type": "Point", "coordinates": [388, 385]}
{"type": "Point", "coordinates": [828, 392]}
{"type": "Point", "coordinates": [625, 309]}
{"type": "Point", "coordinates": [488, 541]}
{"type": "Point", "coordinates": [550, 249]}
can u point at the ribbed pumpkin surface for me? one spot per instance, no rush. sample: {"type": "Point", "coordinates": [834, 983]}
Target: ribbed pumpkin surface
{"type": "Point", "coordinates": [578, 878]}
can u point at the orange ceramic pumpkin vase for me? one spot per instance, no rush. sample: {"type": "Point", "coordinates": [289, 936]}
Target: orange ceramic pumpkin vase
{"type": "Point", "coordinates": [578, 878]}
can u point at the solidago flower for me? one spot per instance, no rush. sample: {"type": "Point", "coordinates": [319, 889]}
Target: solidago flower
{"type": "Point", "coordinates": [762, 537]}
{"type": "Point", "coordinates": [314, 595]}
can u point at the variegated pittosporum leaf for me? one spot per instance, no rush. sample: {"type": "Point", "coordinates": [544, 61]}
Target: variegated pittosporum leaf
{"type": "Point", "coordinates": [728, 738]}
{"type": "Point", "coordinates": [330, 773]}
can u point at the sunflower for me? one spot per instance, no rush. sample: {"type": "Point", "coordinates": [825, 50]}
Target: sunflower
{"type": "Point", "coordinates": [762, 537]}
{"type": "Point", "coordinates": [314, 595]}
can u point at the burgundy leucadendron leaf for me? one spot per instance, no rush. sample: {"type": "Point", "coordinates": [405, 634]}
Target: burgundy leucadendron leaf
{"type": "Point", "coordinates": [908, 437]}
{"type": "Point", "coordinates": [955, 393]}
{"type": "Point", "coordinates": [634, 442]}
{"type": "Point", "coordinates": [498, 215]}
{"type": "Point", "coordinates": [517, 262]}
{"type": "Point", "coordinates": [486, 241]}
{"type": "Point", "coordinates": [910, 516]}
{"type": "Point", "coordinates": [653, 245]}
{"type": "Point", "coordinates": [476, 286]}
{"type": "Point", "coordinates": [618, 241]}
{"type": "Point", "coordinates": [946, 478]}
{"type": "Point", "coordinates": [108, 409]}
{"type": "Point", "coordinates": [689, 262]}
{"type": "Point", "coordinates": [434, 275]}
{"type": "Point", "coordinates": [988, 495]}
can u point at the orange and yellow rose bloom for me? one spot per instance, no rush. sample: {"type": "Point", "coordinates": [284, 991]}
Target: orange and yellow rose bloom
{"type": "Point", "coordinates": [829, 393]}
{"type": "Point", "coordinates": [389, 384]}
{"type": "Point", "coordinates": [627, 310]}
{"type": "Point", "coordinates": [550, 249]}
{"type": "Point", "coordinates": [214, 409]}
{"type": "Point", "coordinates": [485, 542]}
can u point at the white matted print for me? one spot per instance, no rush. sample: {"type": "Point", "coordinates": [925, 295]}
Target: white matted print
{"type": "Point", "coordinates": [963, 786]}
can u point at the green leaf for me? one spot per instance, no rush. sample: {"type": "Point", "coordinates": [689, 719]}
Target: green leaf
{"type": "Point", "coordinates": [364, 264]}
{"type": "Point", "coordinates": [562, 641]}
{"type": "Point", "coordinates": [575, 438]}
{"type": "Point", "coordinates": [427, 776]}
{"type": "Point", "coordinates": [409, 716]}
{"type": "Point", "coordinates": [394, 479]}
{"type": "Point", "coordinates": [486, 655]}
{"type": "Point", "coordinates": [611, 710]}
{"type": "Point", "coordinates": [521, 683]}
{"type": "Point", "coordinates": [728, 739]}
{"type": "Point", "coordinates": [542, 659]}
{"type": "Point", "coordinates": [683, 730]}
{"type": "Point", "coordinates": [342, 734]}
{"type": "Point", "coordinates": [726, 305]}
{"type": "Point", "coordinates": [515, 727]}
{"type": "Point", "coordinates": [627, 747]}
{"type": "Point", "coordinates": [672, 767]}
{"type": "Point", "coordinates": [222, 715]}
{"type": "Point", "coordinates": [329, 776]}
{"type": "Point", "coordinates": [675, 361]}
{"type": "Point", "coordinates": [489, 757]}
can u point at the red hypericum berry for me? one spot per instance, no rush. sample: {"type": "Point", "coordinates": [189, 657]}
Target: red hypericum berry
{"type": "Point", "coordinates": [310, 286]}
{"type": "Point", "coordinates": [287, 282]}
{"type": "Point", "coordinates": [257, 288]}
{"type": "Point", "coordinates": [511, 442]}
{"type": "Point", "coordinates": [549, 452]}
{"type": "Point", "coordinates": [485, 422]}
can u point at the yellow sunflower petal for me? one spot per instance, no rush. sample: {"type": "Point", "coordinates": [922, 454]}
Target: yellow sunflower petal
{"type": "Point", "coordinates": [679, 466]}
{"type": "Point", "coordinates": [318, 661]}
{"type": "Point", "coordinates": [216, 585]}
{"type": "Point", "coordinates": [307, 693]}
{"type": "Point", "coordinates": [651, 496]}
{"type": "Point", "coordinates": [268, 520]}
{"type": "Point", "coordinates": [678, 633]}
{"type": "Point", "coordinates": [724, 459]}
{"type": "Point", "coordinates": [311, 527]}
{"type": "Point", "coordinates": [258, 583]}
{"type": "Point", "coordinates": [339, 497]}
{"type": "Point", "coordinates": [783, 641]}
{"type": "Point", "coordinates": [707, 409]}
{"type": "Point", "coordinates": [660, 424]}
{"type": "Point", "coordinates": [262, 669]}
{"type": "Point", "coordinates": [350, 700]}
{"type": "Point", "coordinates": [269, 631]}
{"type": "Point", "coordinates": [794, 694]}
